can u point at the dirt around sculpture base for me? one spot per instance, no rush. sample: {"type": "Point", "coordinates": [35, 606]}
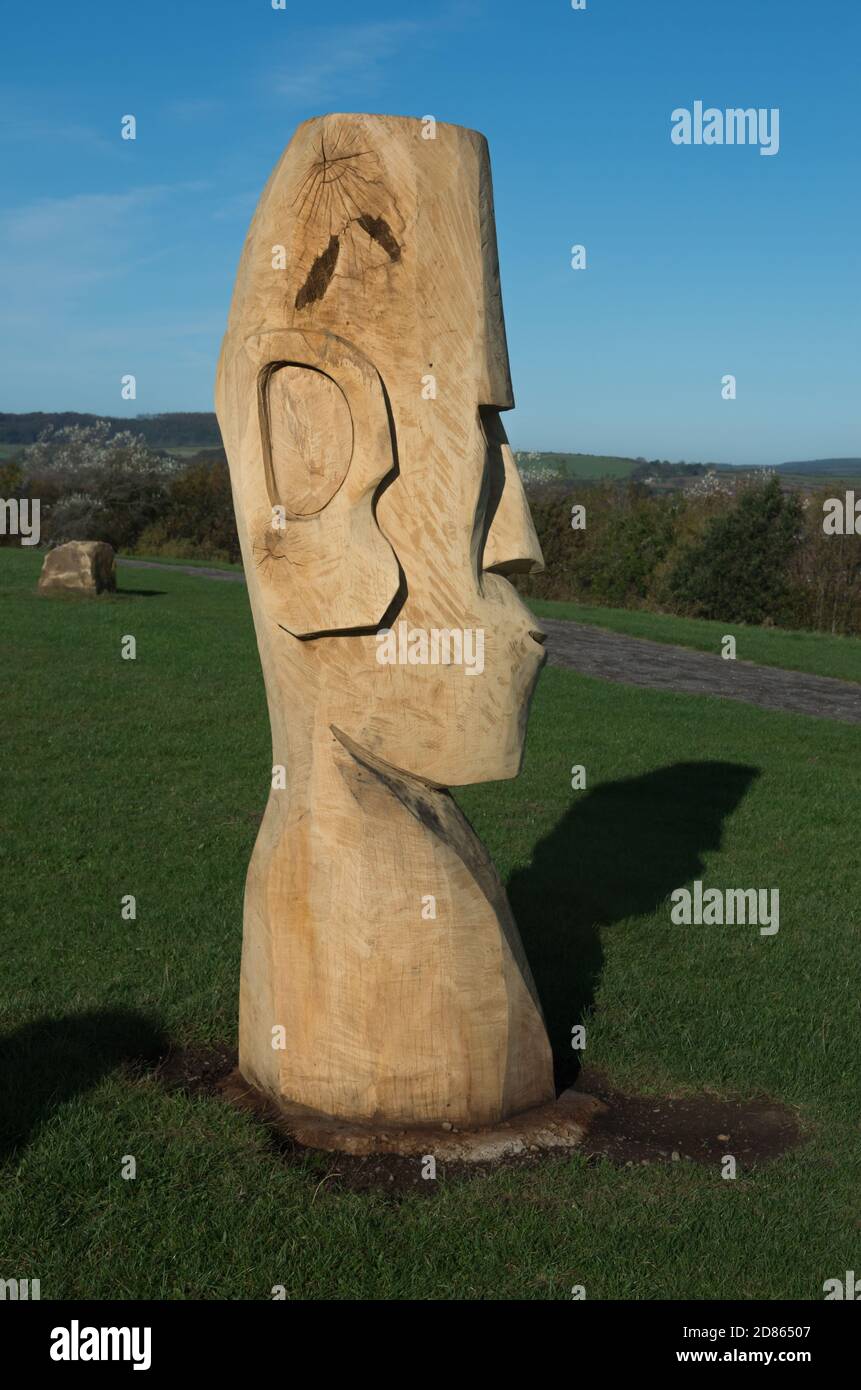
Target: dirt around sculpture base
{"type": "Point", "coordinates": [558, 1125]}
{"type": "Point", "coordinates": [79, 567]}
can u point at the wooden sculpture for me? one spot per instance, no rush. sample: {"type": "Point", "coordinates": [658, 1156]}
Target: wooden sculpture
{"type": "Point", "coordinates": [379, 509]}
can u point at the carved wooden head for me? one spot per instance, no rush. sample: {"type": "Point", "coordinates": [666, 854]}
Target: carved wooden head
{"type": "Point", "coordinates": [359, 394]}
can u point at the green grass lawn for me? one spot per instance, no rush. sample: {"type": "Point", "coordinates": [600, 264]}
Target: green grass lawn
{"type": "Point", "coordinates": [818, 653]}
{"type": "Point", "coordinates": [592, 466]}
{"type": "Point", "coordinates": [149, 777]}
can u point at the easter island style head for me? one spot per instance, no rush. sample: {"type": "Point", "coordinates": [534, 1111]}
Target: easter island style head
{"type": "Point", "coordinates": [380, 511]}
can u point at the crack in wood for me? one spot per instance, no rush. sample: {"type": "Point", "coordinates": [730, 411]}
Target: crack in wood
{"type": "Point", "coordinates": [319, 275]}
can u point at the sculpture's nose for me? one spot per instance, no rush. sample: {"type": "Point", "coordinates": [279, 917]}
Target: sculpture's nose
{"type": "Point", "coordinates": [510, 543]}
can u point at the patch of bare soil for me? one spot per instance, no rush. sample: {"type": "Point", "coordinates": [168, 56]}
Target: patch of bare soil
{"type": "Point", "coordinates": [635, 1129]}
{"type": "Point", "coordinates": [195, 1070]}
{"type": "Point", "coordinates": [663, 1129]}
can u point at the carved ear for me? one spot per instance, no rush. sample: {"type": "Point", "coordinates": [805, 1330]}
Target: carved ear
{"type": "Point", "coordinates": [326, 441]}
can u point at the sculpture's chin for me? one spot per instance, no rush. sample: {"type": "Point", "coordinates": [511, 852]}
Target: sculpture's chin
{"type": "Point", "coordinates": [450, 767]}
{"type": "Point", "coordinates": [502, 772]}
{"type": "Point", "coordinates": [479, 738]}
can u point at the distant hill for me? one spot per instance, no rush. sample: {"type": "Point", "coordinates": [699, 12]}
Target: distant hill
{"type": "Point", "coordinates": [832, 468]}
{"type": "Point", "coordinates": [177, 429]}
{"type": "Point", "coordinates": [185, 431]}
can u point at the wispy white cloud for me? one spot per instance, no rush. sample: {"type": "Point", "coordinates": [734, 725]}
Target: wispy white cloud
{"type": "Point", "coordinates": [18, 129]}
{"type": "Point", "coordinates": [193, 108]}
{"type": "Point", "coordinates": [80, 217]}
{"type": "Point", "coordinates": [326, 62]}
{"type": "Point", "coordinates": [84, 220]}
{"type": "Point", "coordinates": [54, 251]}
{"type": "Point", "coordinates": [237, 206]}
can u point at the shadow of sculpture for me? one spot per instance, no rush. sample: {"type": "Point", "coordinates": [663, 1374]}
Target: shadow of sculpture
{"type": "Point", "coordinates": [618, 852]}
{"type": "Point", "coordinates": [49, 1061]}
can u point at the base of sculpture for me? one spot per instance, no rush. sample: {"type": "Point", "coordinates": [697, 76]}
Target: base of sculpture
{"type": "Point", "coordinates": [559, 1125]}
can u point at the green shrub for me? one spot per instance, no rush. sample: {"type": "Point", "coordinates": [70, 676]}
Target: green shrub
{"type": "Point", "coordinates": [748, 553]}
{"type": "Point", "coordinates": [96, 485]}
{"type": "Point", "coordinates": [198, 514]}
{"type": "Point", "coordinates": [611, 560]}
{"type": "Point", "coordinates": [739, 570]}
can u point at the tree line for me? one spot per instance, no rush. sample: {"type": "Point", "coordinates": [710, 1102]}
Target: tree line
{"type": "Point", "coordinates": [738, 549]}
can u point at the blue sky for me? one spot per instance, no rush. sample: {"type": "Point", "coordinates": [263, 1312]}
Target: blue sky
{"type": "Point", "coordinates": [119, 256]}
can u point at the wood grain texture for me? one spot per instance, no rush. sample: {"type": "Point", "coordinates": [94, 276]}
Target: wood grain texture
{"type": "Point", "coordinates": [369, 282]}
{"type": "Point", "coordinates": [310, 437]}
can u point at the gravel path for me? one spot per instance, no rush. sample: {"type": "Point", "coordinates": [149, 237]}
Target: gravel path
{"type": "Point", "coordinates": [636, 661]}
{"type": "Point", "coordinates": [613, 656]}
{"type": "Point", "coordinates": [197, 570]}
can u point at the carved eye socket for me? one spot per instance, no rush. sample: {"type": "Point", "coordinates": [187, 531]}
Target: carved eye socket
{"type": "Point", "coordinates": [310, 437]}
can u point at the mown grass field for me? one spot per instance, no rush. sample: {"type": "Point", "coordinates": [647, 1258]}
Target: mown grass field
{"type": "Point", "coordinates": [149, 777]}
{"type": "Point", "coordinates": [818, 653]}
{"type": "Point", "coordinates": [591, 466]}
